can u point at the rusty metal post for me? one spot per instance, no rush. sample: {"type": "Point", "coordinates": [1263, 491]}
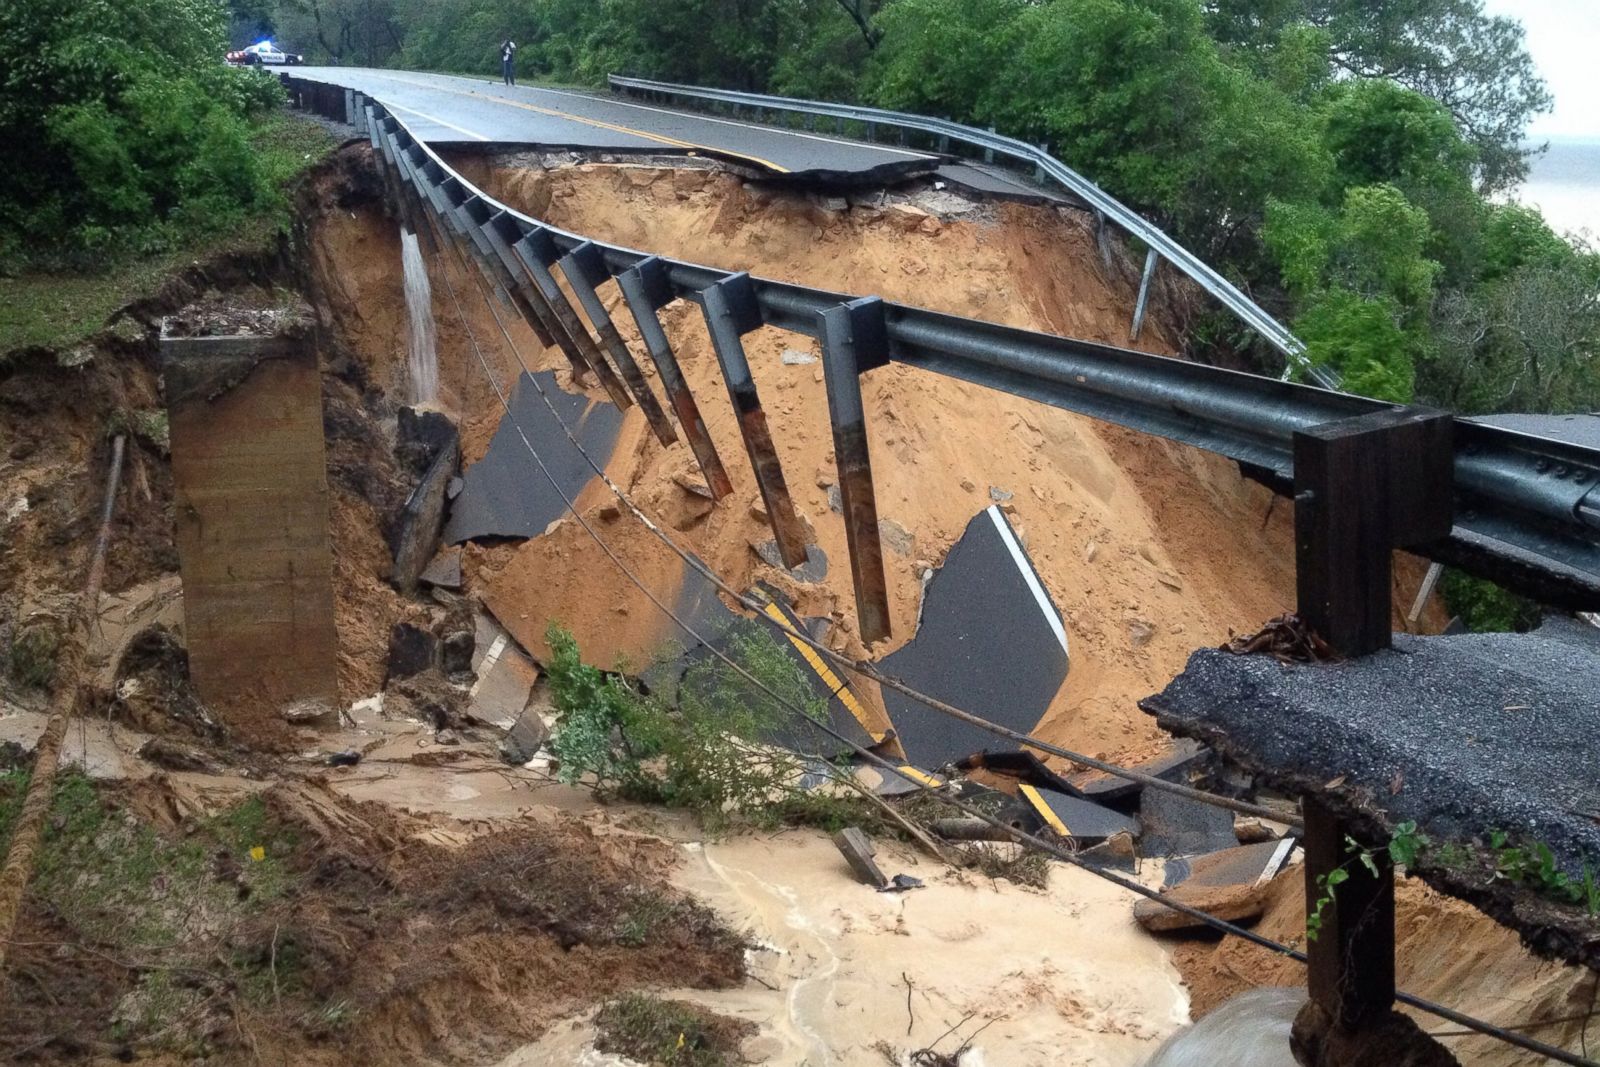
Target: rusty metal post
{"type": "Point", "coordinates": [854, 340]}
{"type": "Point", "coordinates": [585, 269]}
{"type": "Point", "coordinates": [1364, 486]}
{"type": "Point", "coordinates": [1151, 261]}
{"type": "Point", "coordinates": [537, 252]}
{"type": "Point", "coordinates": [450, 198]}
{"type": "Point", "coordinates": [415, 215]}
{"type": "Point", "coordinates": [646, 289]}
{"type": "Point", "coordinates": [731, 311]}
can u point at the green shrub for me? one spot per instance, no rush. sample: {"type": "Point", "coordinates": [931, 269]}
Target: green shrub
{"type": "Point", "coordinates": [1485, 607]}
{"type": "Point", "coordinates": [703, 743]}
{"type": "Point", "coordinates": [137, 132]}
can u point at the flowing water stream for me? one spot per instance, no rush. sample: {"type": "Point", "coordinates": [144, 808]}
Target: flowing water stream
{"type": "Point", "coordinates": [422, 360]}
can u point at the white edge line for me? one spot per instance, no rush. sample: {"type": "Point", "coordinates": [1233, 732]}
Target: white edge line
{"type": "Point", "coordinates": [1279, 860]}
{"type": "Point", "coordinates": [436, 120]}
{"type": "Point", "coordinates": [490, 658]}
{"type": "Point", "coordinates": [1049, 609]}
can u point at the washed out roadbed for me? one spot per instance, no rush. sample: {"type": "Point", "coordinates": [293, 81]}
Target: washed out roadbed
{"type": "Point", "coordinates": [293, 925]}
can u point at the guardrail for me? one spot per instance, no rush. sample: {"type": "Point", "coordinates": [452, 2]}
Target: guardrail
{"type": "Point", "coordinates": [1527, 509]}
{"type": "Point", "coordinates": [1159, 244]}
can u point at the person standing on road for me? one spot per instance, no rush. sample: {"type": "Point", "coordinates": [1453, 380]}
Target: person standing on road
{"type": "Point", "coordinates": [508, 61]}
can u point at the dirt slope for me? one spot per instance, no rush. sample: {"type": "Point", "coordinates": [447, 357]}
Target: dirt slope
{"type": "Point", "coordinates": [1148, 548]}
{"type": "Point", "coordinates": [1445, 951]}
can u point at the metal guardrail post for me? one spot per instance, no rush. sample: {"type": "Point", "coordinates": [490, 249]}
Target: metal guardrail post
{"type": "Point", "coordinates": [585, 269]}
{"type": "Point", "coordinates": [538, 252]}
{"type": "Point", "coordinates": [1151, 260]}
{"type": "Point", "coordinates": [855, 340]}
{"type": "Point", "coordinates": [1528, 507]}
{"type": "Point", "coordinates": [731, 311]}
{"type": "Point", "coordinates": [646, 289]}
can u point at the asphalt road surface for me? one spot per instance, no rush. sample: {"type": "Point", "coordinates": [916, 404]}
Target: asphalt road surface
{"type": "Point", "coordinates": [444, 108]}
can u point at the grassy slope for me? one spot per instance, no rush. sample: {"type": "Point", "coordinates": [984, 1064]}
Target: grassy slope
{"type": "Point", "coordinates": [49, 310]}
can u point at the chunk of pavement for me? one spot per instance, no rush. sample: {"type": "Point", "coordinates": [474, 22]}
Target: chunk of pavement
{"type": "Point", "coordinates": [525, 738]}
{"type": "Point", "coordinates": [858, 852]}
{"type": "Point", "coordinates": [1073, 818]}
{"type": "Point", "coordinates": [415, 537]}
{"type": "Point", "coordinates": [989, 637]}
{"type": "Point", "coordinates": [455, 652]}
{"type": "Point", "coordinates": [412, 650]}
{"type": "Point", "coordinates": [1480, 730]}
{"type": "Point", "coordinates": [693, 486]}
{"type": "Point", "coordinates": [444, 571]}
{"type": "Point", "coordinates": [896, 783]}
{"type": "Point", "coordinates": [1231, 903]}
{"type": "Point", "coordinates": [846, 715]}
{"type": "Point", "coordinates": [814, 569]}
{"type": "Point", "coordinates": [896, 538]}
{"type": "Point", "coordinates": [999, 495]}
{"type": "Point", "coordinates": [1178, 826]}
{"type": "Point", "coordinates": [794, 357]}
{"type": "Point", "coordinates": [506, 677]}
{"type": "Point", "coordinates": [1230, 884]}
{"type": "Point", "coordinates": [1173, 767]}
{"type": "Point", "coordinates": [505, 493]}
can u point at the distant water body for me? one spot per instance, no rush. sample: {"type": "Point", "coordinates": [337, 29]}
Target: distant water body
{"type": "Point", "coordinates": [1564, 183]}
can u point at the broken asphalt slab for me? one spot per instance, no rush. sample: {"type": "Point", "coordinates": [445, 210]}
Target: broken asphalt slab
{"type": "Point", "coordinates": [1109, 789]}
{"type": "Point", "coordinates": [505, 679]}
{"type": "Point", "coordinates": [1073, 818]}
{"type": "Point", "coordinates": [698, 604]}
{"type": "Point", "coordinates": [1178, 826]}
{"type": "Point", "coordinates": [505, 494]}
{"type": "Point", "coordinates": [1230, 884]}
{"type": "Point", "coordinates": [990, 640]}
{"type": "Point", "coordinates": [1461, 735]}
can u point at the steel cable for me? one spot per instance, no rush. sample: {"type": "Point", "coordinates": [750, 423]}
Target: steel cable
{"type": "Point", "coordinates": [1016, 835]}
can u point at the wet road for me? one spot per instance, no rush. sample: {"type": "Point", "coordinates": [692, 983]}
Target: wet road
{"type": "Point", "coordinates": [444, 108]}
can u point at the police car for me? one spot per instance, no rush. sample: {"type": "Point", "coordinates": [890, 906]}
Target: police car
{"type": "Point", "coordinates": [264, 53]}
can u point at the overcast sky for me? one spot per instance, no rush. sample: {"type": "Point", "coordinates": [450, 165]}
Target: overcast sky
{"type": "Point", "coordinates": [1564, 39]}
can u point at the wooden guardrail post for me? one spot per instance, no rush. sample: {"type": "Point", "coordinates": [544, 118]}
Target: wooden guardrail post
{"type": "Point", "coordinates": [1364, 486]}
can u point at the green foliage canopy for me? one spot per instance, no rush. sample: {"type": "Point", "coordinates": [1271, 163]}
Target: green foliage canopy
{"type": "Point", "coordinates": [135, 128]}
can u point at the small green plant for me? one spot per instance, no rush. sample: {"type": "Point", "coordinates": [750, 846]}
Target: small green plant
{"type": "Point", "coordinates": [33, 654]}
{"type": "Point", "coordinates": [668, 1033]}
{"type": "Point", "coordinates": [1405, 844]}
{"type": "Point", "coordinates": [1533, 864]}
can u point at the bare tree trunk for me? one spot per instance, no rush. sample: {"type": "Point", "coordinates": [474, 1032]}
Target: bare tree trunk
{"type": "Point", "coordinates": [856, 10]}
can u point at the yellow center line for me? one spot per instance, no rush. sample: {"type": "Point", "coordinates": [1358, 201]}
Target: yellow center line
{"type": "Point", "coordinates": [829, 679]}
{"type": "Point", "coordinates": [1051, 818]}
{"type": "Point", "coordinates": [613, 127]}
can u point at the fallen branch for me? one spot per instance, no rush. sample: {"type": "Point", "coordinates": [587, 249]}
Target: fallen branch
{"type": "Point", "coordinates": [18, 869]}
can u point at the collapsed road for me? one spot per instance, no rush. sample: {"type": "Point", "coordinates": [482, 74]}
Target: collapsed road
{"type": "Point", "coordinates": [447, 108]}
{"type": "Point", "coordinates": [1059, 528]}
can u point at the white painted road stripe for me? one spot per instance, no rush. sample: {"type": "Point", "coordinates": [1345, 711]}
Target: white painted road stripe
{"type": "Point", "coordinates": [437, 121]}
{"type": "Point", "coordinates": [1032, 579]}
